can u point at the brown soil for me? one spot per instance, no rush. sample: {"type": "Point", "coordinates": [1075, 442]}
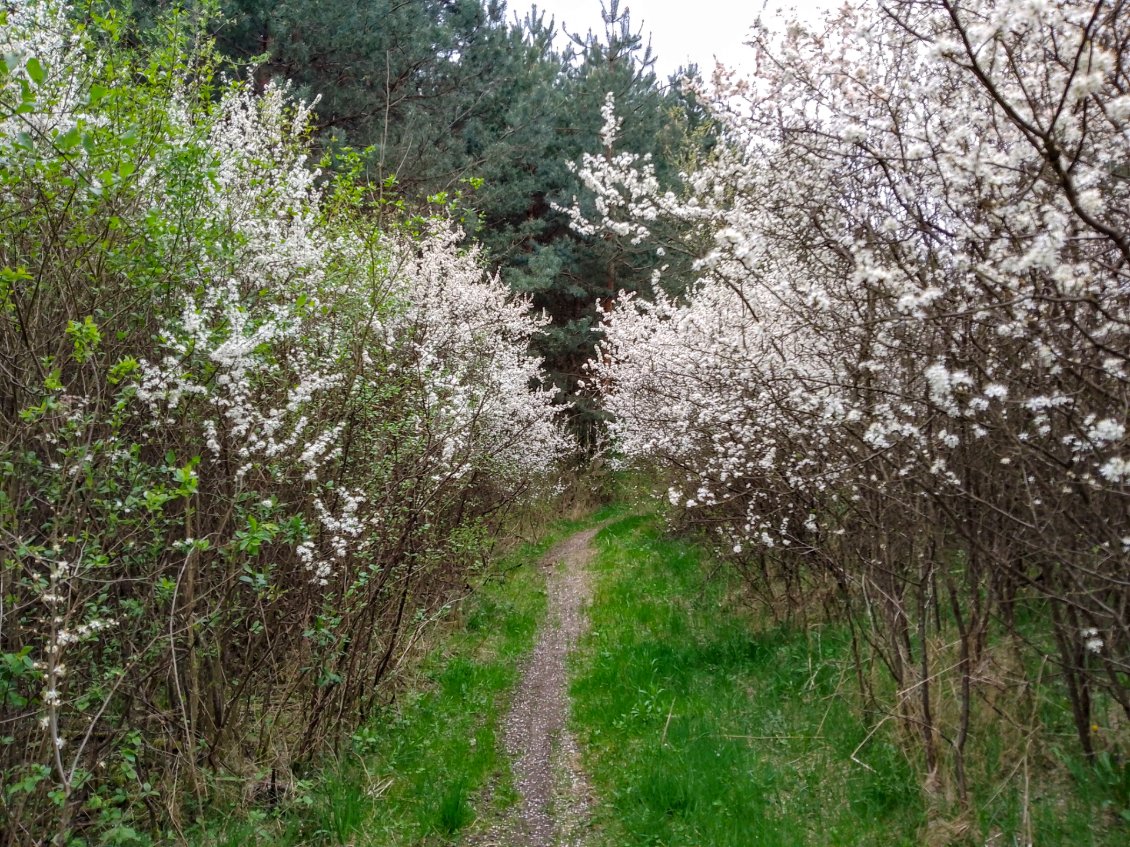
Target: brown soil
{"type": "Point", "coordinates": [553, 810]}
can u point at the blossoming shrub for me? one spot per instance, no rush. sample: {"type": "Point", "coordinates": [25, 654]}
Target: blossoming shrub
{"type": "Point", "coordinates": [903, 371]}
{"type": "Point", "coordinates": [243, 436]}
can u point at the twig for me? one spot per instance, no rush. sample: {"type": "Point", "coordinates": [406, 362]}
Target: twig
{"type": "Point", "coordinates": [767, 737]}
{"type": "Point", "coordinates": [663, 738]}
{"type": "Point", "coordinates": [874, 729]}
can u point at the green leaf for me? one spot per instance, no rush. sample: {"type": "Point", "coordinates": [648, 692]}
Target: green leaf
{"type": "Point", "coordinates": [96, 94]}
{"type": "Point", "coordinates": [156, 498]}
{"type": "Point", "coordinates": [69, 139]}
{"type": "Point", "coordinates": [85, 336]}
{"type": "Point", "coordinates": [122, 370]}
{"type": "Point", "coordinates": [123, 835]}
{"type": "Point", "coordinates": [36, 71]}
{"type": "Point", "coordinates": [36, 774]}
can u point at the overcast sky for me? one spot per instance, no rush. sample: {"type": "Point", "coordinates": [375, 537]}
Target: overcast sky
{"type": "Point", "coordinates": [682, 31]}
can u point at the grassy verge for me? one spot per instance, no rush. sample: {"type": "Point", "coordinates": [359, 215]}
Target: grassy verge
{"type": "Point", "coordinates": [704, 728]}
{"type": "Point", "coordinates": [431, 763]}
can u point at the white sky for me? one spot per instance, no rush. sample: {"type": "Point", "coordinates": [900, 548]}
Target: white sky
{"type": "Point", "coordinates": [682, 31]}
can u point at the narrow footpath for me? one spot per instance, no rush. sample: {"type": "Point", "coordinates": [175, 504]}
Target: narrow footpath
{"type": "Point", "coordinates": [554, 805]}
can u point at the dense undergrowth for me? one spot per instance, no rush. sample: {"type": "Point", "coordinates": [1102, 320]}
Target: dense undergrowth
{"type": "Point", "coordinates": [700, 722]}
{"type": "Point", "coordinates": [246, 436]}
{"type": "Point", "coordinates": [429, 765]}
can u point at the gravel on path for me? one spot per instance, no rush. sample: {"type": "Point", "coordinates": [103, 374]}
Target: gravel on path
{"type": "Point", "coordinates": [554, 792]}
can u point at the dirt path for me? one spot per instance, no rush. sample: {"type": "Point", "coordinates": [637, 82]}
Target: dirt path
{"type": "Point", "coordinates": [553, 810]}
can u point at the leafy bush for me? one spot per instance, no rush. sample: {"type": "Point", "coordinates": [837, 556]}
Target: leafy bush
{"type": "Point", "coordinates": [242, 433]}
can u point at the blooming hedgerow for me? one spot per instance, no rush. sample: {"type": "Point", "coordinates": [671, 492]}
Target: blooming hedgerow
{"type": "Point", "coordinates": [906, 346]}
{"type": "Point", "coordinates": [241, 429]}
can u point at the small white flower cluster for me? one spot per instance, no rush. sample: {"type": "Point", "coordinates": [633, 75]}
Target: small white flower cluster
{"type": "Point", "coordinates": [625, 195]}
{"type": "Point", "coordinates": [81, 632]}
{"type": "Point", "coordinates": [1092, 641]}
{"type": "Point", "coordinates": [37, 34]}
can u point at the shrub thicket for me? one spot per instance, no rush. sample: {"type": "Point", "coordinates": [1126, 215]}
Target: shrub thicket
{"type": "Point", "coordinates": [904, 373]}
{"type": "Point", "coordinates": [243, 435]}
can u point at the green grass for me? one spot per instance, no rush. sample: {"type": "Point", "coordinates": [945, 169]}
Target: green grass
{"type": "Point", "coordinates": [705, 726]}
{"type": "Point", "coordinates": [704, 731]}
{"type": "Point", "coordinates": [700, 726]}
{"type": "Point", "coordinates": [430, 764]}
